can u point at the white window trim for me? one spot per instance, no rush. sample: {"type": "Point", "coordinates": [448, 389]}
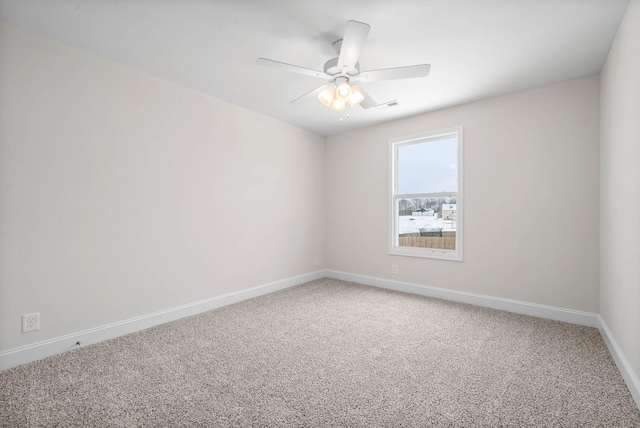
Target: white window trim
{"type": "Point", "coordinates": [394, 248]}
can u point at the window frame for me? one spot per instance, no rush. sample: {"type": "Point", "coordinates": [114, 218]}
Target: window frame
{"type": "Point", "coordinates": [394, 197]}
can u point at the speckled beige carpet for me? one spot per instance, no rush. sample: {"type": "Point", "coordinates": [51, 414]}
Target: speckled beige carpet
{"type": "Point", "coordinates": [330, 353]}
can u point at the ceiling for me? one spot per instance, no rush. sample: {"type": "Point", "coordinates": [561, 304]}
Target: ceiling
{"type": "Point", "coordinates": [476, 48]}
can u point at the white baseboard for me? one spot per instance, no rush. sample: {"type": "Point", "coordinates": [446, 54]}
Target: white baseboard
{"type": "Point", "coordinates": [629, 376]}
{"type": "Point", "coordinates": [25, 354]}
{"type": "Point", "coordinates": [542, 311]}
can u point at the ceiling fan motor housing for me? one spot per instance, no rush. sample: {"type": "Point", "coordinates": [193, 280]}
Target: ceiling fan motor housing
{"type": "Point", "coordinates": [332, 69]}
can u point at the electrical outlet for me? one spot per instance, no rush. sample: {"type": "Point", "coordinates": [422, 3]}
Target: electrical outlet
{"type": "Point", "coordinates": [394, 269]}
{"type": "Point", "coordinates": [315, 261]}
{"type": "Point", "coordinates": [30, 322]}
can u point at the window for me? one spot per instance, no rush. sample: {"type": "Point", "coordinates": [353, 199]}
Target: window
{"type": "Point", "coordinates": [426, 195]}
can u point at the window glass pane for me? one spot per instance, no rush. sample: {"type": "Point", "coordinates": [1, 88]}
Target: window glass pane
{"type": "Point", "coordinates": [428, 167]}
{"type": "Point", "coordinates": [427, 223]}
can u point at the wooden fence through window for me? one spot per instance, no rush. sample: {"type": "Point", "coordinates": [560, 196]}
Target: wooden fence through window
{"type": "Point", "coordinates": [446, 242]}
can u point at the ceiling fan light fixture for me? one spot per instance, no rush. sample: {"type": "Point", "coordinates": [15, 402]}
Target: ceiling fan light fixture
{"type": "Point", "coordinates": [343, 91]}
{"type": "Point", "coordinates": [356, 96]}
{"type": "Point", "coordinates": [339, 72]}
{"type": "Point", "coordinates": [338, 105]}
{"type": "Point", "coordinates": [327, 95]}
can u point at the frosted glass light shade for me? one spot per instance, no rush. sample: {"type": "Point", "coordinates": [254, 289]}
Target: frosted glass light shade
{"type": "Point", "coordinates": [327, 95]}
{"type": "Point", "coordinates": [343, 91]}
{"type": "Point", "coordinates": [356, 96]}
{"type": "Point", "coordinates": [338, 105]}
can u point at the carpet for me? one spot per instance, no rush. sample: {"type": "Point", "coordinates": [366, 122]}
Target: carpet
{"type": "Point", "coordinates": [330, 353]}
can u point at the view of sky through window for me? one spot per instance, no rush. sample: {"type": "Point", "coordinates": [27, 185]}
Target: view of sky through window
{"type": "Point", "coordinates": [428, 167]}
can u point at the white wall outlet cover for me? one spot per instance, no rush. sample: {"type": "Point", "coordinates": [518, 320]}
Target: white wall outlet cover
{"type": "Point", "coordinates": [30, 322]}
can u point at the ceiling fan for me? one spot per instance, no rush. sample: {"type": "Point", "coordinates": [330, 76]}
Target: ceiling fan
{"type": "Point", "coordinates": [343, 71]}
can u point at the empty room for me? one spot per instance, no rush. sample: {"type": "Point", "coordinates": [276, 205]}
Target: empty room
{"type": "Point", "coordinates": [343, 213]}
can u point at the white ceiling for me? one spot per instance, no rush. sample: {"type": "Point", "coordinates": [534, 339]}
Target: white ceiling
{"type": "Point", "coordinates": [476, 48]}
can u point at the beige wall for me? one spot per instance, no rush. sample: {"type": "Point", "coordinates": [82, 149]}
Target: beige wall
{"type": "Point", "coordinates": [620, 188]}
{"type": "Point", "coordinates": [531, 198]}
{"type": "Point", "coordinates": [123, 194]}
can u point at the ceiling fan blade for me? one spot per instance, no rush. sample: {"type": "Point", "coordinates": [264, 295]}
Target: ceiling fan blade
{"type": "Point", "coordinates": [293, 68]}
{"type": "Point", "coordinates": [309, 95]}
{"type": "Point", "coordinates": [354, 37]}
{"type": "Point", "coordinates": [407, 72]}
{"type": "Point", "coordinates": [367, 102]}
